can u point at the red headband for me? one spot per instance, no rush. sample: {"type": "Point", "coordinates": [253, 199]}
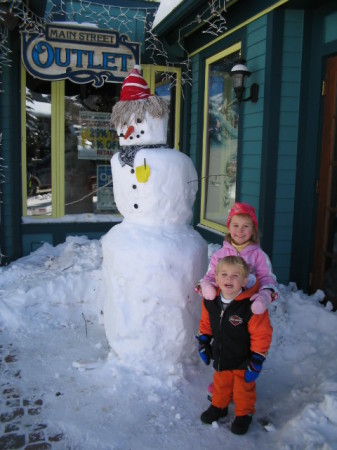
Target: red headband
{"type": "Point", "coordinates": [242, 208]}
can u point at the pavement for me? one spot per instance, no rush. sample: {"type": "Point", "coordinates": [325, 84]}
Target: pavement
{"type": "Point", "coordinates": [20, 423]}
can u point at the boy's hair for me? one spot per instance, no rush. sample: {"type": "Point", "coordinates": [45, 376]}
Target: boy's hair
{"type": "Point", "coordinates": [233, 261]}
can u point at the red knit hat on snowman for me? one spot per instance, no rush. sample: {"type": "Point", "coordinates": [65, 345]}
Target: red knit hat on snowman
{"type": "Point", "coordinates": [242, 208]}
{"type": "Point", "coordinates": [134, 86]}
{"type": "Point", "coordinates": [137, 100]}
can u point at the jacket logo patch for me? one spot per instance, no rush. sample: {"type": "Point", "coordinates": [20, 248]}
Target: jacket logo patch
{"type": "Point", "coordinates": [235, 320]}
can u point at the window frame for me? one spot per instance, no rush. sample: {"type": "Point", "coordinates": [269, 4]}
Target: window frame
{"type": "Point", "coordinates": [204, 176]}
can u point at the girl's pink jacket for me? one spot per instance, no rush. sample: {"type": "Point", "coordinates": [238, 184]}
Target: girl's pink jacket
{"type": "Point", "coordinates": [255, 257]}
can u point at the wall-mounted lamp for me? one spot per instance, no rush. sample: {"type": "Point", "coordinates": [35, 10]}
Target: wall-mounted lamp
{"type": "Point", "coordinates": [239, 73]}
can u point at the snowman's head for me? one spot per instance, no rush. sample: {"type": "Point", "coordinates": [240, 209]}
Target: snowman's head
{"type": "Point", "coordinates": [139, 117]}
{"type": "Point", "coordinates": [145, 130]}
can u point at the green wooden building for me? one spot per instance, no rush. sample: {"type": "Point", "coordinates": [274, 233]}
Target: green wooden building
{"type": "Point", "coordinates": [277, 152]}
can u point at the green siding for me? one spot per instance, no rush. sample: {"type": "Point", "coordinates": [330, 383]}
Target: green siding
{"type": "Point", "coordinates": [253, 131]}
{"type": "Point", "coordinates": [195, 145]}
{"type": "Point", "coordinates": [288, 137]}
{"type": "Point", "coordinates": [30, 243]}
{"type": "Point", "coordinates": [330, 28]}
{"type": "Point", "coordinates": [10, 128]}
{"type": "Point", "coordinates": [252, 125]}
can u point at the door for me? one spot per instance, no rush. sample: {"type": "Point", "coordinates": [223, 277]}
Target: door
{"type": "Point", "coordinates": [325, 260]}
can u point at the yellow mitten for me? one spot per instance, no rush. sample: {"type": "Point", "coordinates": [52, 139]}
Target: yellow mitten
{"type": "Point", "coordinates": [143, 173]}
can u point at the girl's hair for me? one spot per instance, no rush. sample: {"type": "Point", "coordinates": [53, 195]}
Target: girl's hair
{"type": "Point", "coordinates": [233, 261]}
{"type": "Point", "coordinates": [255, 237]}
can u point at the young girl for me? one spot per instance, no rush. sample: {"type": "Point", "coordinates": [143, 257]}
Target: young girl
{"type": "Point", "coordinates": [243, 240]}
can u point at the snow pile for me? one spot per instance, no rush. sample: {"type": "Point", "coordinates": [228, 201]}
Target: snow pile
{"type": "Point", "coordinates": [50, 314]}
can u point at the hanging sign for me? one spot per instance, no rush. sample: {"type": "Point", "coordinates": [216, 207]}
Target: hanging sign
{"type": "Point", "coordinates": [80, 54]}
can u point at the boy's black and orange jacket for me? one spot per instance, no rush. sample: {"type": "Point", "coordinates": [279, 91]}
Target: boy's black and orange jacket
{"type": "Point", "coordinates": [236, 331]}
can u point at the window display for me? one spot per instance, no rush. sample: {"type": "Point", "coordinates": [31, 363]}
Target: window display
{"type": "Point", "coordinates": [82, 151]}
{"type": "Point", "coordinates": [90, 142]}
{"type": "Point", "coordinates": [38, 148]}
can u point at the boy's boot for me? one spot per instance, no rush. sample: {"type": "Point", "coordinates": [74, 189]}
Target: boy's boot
{"type": "Point", "coordinates": [212, 414]}
{"type": "Point", "coordinates": [241, 424]}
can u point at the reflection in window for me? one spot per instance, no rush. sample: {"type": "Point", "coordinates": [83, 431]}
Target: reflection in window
{"type": "Point", "coordinates": [90, 142]}
{"type": "Point", "coordinates": [38, 148]}
{"type": "Point", "coordinates": [221, 142]}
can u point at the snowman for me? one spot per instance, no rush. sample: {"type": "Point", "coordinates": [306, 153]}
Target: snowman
{"type": "Point", "coordinates": [152, 259]}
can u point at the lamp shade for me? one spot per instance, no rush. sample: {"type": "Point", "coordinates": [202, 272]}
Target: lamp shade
{"type": "Point", "coordinates": [239, 73]}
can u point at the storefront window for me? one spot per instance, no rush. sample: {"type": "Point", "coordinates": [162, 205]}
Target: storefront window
{"type": "Point", "coordinates": [220, 142]}
{"type": "Point", "coordinates": [78, 151]}
{"type": "Point", "coordinates": [69, 142]}
{"type": "Point", "coordinates": [38, 148]}
{"type": "Point", "coordinates": [90, 143]}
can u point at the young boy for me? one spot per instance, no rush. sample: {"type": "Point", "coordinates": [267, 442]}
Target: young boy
{"type": "Point", "coordinates": [237, 340]}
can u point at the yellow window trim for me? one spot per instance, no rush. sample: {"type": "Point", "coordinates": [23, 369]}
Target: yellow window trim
{"type": "Point", "coordinates": [57, 145]}
{"type": "Point", "coordinates": [205, 222]}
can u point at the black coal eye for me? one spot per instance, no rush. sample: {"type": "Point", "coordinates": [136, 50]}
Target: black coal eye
{"type": "Point", "coordinates": [139, 120]}
{"type": "Point", "coordinates": [142, 132]}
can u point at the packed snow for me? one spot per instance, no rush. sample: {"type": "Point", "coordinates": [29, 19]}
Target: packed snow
{"type": "Point", "coordinates": [52, 314]}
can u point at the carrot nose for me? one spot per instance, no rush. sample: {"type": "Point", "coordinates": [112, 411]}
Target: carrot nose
{"type": "Point", "coordinates": [129, 131]}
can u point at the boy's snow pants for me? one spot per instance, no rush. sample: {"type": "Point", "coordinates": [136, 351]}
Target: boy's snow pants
{"type": "Point", "coordinates": [230, 385]}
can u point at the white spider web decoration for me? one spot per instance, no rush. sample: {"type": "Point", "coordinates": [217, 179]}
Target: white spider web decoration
{"type": "Point", "coordinates": [79, 10]}
{"type": "Point", "coordinates": [212, 17]}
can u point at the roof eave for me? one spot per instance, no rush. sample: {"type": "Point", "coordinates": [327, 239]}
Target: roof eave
{"type": "Point", "coordinates": [182, 12]}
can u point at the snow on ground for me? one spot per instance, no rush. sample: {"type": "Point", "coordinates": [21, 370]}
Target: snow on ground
{"type": "Point", "coordinates": [51, 312]}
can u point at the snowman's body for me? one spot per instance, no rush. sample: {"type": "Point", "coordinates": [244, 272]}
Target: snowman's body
{"type": "Point", "coordinates": [153, 258]}
{"type": "Point", "coordinates": [166, 198]}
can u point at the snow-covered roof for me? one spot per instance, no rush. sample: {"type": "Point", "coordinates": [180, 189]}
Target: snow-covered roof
{"type": "Point", "coordinates": [165, 8]}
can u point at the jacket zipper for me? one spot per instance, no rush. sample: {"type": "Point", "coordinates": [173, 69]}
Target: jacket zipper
{"type": "Point", "coordinates": [221, 316]}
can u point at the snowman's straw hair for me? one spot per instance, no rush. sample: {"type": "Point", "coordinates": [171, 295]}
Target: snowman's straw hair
{"type": "Point", "coordinates": [122, 111]}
